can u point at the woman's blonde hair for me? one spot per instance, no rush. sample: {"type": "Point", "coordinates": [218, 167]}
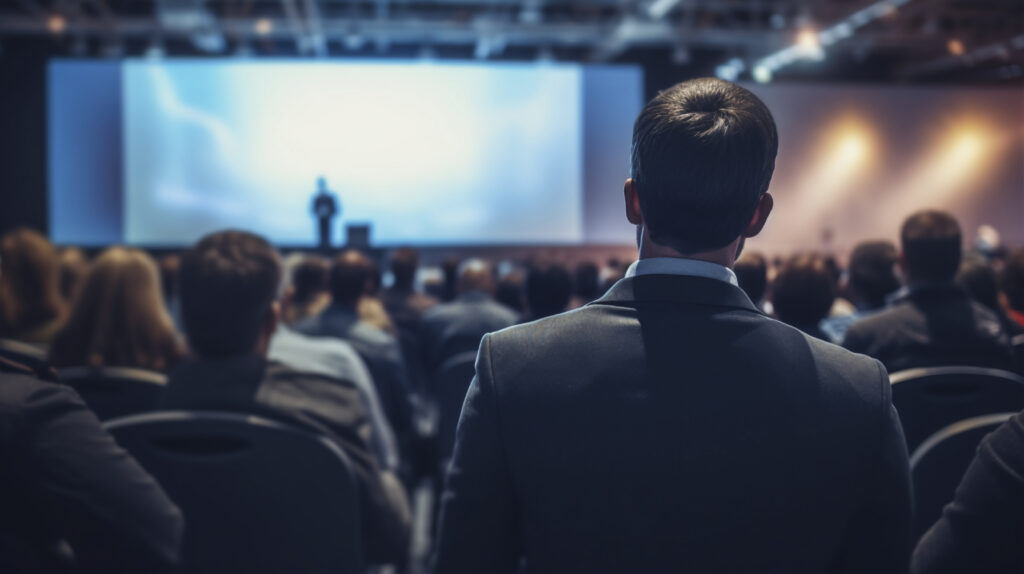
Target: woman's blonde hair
{"type": "Point", "coordinates": [29, 286]}
{"type": "Point", "coordinates": [118, 317]}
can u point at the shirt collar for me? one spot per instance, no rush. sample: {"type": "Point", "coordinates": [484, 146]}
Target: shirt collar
{"type": "Point", "coordinates": [679, 266]}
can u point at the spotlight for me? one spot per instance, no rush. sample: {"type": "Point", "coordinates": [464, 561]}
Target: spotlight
{"type": "Point", "coordinates": [762, 74]}
{"type": "Point", "coordinates": [263, 26]}
{"type": "Point", "coordinates": [56, 24]}
{"type": "Point", "coordinates": [955, 47]}
{"type": "Point", "coordinates": [809, 43]}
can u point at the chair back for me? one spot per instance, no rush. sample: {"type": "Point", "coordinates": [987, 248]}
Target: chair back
{"type": "Point", "coordinates": [116, 391]}
{"type": "Point", "coordinates": [257, 495]}
{"type": "Point", "coordinates": [939, 464]}
{"type": "Point", "coordinates": [451, 384]}
{"type": "Point", "coordinates": [30, 356]}
{"type": "Point", "coordinates": [933, 398]}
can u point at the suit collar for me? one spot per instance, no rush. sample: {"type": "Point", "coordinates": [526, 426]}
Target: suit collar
{"type": "Point", "coordinates": [676, 288]}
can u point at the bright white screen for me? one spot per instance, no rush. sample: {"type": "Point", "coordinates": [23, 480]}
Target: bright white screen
{"type": "Point", "coordinates": [453, 153]}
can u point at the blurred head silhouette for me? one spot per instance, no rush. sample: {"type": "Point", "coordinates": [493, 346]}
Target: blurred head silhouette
{"type": "Point", "coordinates": [872, 273]}
{"type": "Point", "coordinates": [803, 292]}
{"type": "Point", "coordinates": [349, 278]}
{"type": "Point", "coordinates": [30, 296]}
{"type": "Point", "coordinates": [118, 317]}
{"type": "Point", "coordinates": [548, 289]}
{"type": "Point", "coordinates": [932, 248]}
{"type": "Point", "coordinates": [476, 275]}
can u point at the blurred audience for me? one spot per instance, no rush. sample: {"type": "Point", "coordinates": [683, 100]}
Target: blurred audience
{"type": "Point", "coordinates": [1011, 283]}
{"type": "Point", "coordinates": [406, 306]}
{"type": "Point", "coordinates": [752, 273]}
{"type": "Point", "coordinates": [932, 321]}
{"type": "Point", "coordinates": [803, 293]}
{"type": "Point", "coordinates": [74, 264]}
{"type": "Point", "coordinates": [586, 284]}
{"type": "Point", "coordinates": [981, 282]}
{"type": "Point", "coordinates": [119, 318]}
{"type": "Point", "coordinates": [348, 281]}
{"type": "Point", "coordinates": [229, 284]}
{"type": "Point", "coordinates": [871, 278]}
{"type": "Point", "coordinates": [307, 293]}
{"type": "Point", "coordinates": [511, 291]}
{"type": "Point", "coordinates": [31, 307]}
{"type": "Point", "coordinates": [370, 307]}
{"type": "Point", "coordinates": [457, 326]}
{"type": "Point", "coordinates": [548, 290]}
{"type": "Point", "coordinates": [65, 481]}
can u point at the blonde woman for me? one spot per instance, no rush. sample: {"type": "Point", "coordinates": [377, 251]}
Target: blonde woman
{"type": "Point", "coordinates": [119, 318]}
{"type": "Point", "coordinates": [31, 308]}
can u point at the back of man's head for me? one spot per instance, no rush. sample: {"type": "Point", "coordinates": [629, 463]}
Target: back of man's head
{"type": "Point", "coordinates": [404, 262]}
{"type": "Point", "coordinates": [309, 278]}
{"type": "Point", "coordinates": [703, 154]}
{"type": "Point", "coordinates": [1011, 281]}
{"type": "Point", "coordinates": [872, 272]}
{"type": "Point", "coordinates": [803, 292]}
{"type": "Point", "coordinates": [587, 281]}
{"type": "Point", "coordinates": [476, 275]}
{"type": "Point", "coordinates": [931, 246]}
{"type": "Point", "coordinates": [350, 273]}
{"type": "Point", "coordinates": [228, 283]}
{"type": "Point", "coordinates": [752, 275]}
{"type": "Point", "coordinates": [548, 289]}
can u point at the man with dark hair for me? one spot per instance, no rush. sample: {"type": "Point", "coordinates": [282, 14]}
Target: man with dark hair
{"type": "Point", "coordinates": [1011, 283]}
{"type": "Point", "coordinates": [586, 284]}
{"type": "Point", "coordinates": [871, 277]}
{"type": "Point", "coordinates": [406, 306]}
{"type": "Point", "coordinates": [670, 425]}
{"type": "Point", "coordinates": [932, 321]}
{"type": "Point", "coordinates": [752, 274]}
{"type": "Point", "coordinates": [229, 284]}
{"type": "Point", "coordinates": [803, 293]}
{"type": "Point", "coordinates": [349, 277]}
{"type": "Point", "coordinates": [548, 290]}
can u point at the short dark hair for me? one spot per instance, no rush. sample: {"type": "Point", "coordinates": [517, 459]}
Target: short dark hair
{"type": "Point", "coordinates": [703, 154]}
{"type": "Point", "coordinates": [872, 271]}
{"type": "Point", "coordinates": [404, 262]}
{"type": "Point", "coordinates": [309, 278]}
{"type": "Point", "coordinates": [980, 281]}
{"type": "Point", "coordinates": [931, 246]}
{"type": "Point", "coordinates": [586, 281]}
{"type": "Point", "coordinates": [752, 275]}
{"type": "Point", "coordinates": [548, 289]}
{"type": "Point", "coordinates": [803, 292]}
{"type": "Point", "coordinates": [228, 283]}
{"type": "Point", "coordinates": [350, 273]}
{"type": "Point", "coordinates": [1011, 281]}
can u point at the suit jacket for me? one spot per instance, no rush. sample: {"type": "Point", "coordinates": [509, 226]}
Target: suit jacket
{"type": "Point", "coordinates": [381, 353]}
{"type": "Point", "coordinates": [670, 426]}
{"type": "Point", "coordinates": [64, 477]}
{"type": "Point", "coordinates": [320, 404]}
{"type": "Point", "coordinates": [456, 327]}
{"type": "Point", "coordinates": [982, 530]}
{"type": "Point", "coordinates": [932, 326]}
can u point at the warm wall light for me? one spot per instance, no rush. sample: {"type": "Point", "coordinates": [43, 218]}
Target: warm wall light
{"type": "Point", "coordinates": [56, 24]}
{"type": "Point", "coordinates": [264, 26]}
{"type": "Point", "coordinates": [955, 47]}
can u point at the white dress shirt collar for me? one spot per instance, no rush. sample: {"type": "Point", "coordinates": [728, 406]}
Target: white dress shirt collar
{"type": "Point", "coordinates": [679, 266]}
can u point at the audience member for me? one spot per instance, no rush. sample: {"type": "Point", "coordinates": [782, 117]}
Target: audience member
{"type": "Point", "coordinates": [548, 290]}
{"type": "Point", "coordinates": [670, 425]}
{"type": "Point", "coordinates": [406, 306]}
{"type": "Point", "coordinates": [752, 274]}
{"type": "Point", "coordinates": [841, 307]}
{"type": "Point", "coordinates": [803, 293]}
{"type": "Point", "coordinates": [370, 307]}
{"type": "Point", "coordinates": [64, 478]}
{"type": "Point", "coordinates": [1011, 283]}
{"type": "Point", "coordinates": [119, 318]}
{"type": "Point", "coordinates": [981, 282]}
{"type": "Point", "coordinates": [31, 307]}
{"type": "Point", "coordinates": [456, 327]}
{"type": "Point", "coordinates": [229, 284]}
{"type": "Point", "coordinates": [932, 321]}
{"type": "Point", "coordinates": [450, 272]}
{"type": "Point", "coordinates": [871, 278]}
{"type": "Point", "coordinates": [307, 294]}
{"type": "Point", "coordinates": [73, 264]}
{"type": "Point", "coordinates": [586, 284]}
{"type": "Point", "coordinates": [982, 528]}
{"type": "Point", "coordinates": [510, 291]}
{"type": "Point", "coordinates": [378, 349]}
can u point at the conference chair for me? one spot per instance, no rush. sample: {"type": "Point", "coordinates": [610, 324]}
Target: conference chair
{"type": "Point", "coordinates": [116, 391]}
{"type": "Point", "coordinates": [451, 384]}
{"type": "Point", "coordinates": [257, 495]}
{"type": "Point", "coordinates": [939, 464]}
{"type": "Point", "coordinates": [929, 399]}
{"type": "Point", "coordinates": [30, 356]}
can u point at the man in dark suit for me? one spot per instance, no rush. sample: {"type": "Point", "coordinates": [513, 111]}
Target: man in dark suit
{"type": "Point", "coordinates": [670, 426]}
{"type": "Point", "coordinates": [406, 306]}
{"type": "Point", "coordinates": [325, 208]}
{"type": "Point", "coordinates": [456, 327]}
{"type": "Point", "coordinates": [932, 321]}
{"type": "Point", "coordinates": [229, 283]}
{"type": "Point", "coordinates": [64, 478]}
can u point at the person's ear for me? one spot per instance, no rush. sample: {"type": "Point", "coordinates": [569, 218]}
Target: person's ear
{"type": "Point", "coordinates": [760, 217]}
{"type": "Point", "coordinates": [633, 212]}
